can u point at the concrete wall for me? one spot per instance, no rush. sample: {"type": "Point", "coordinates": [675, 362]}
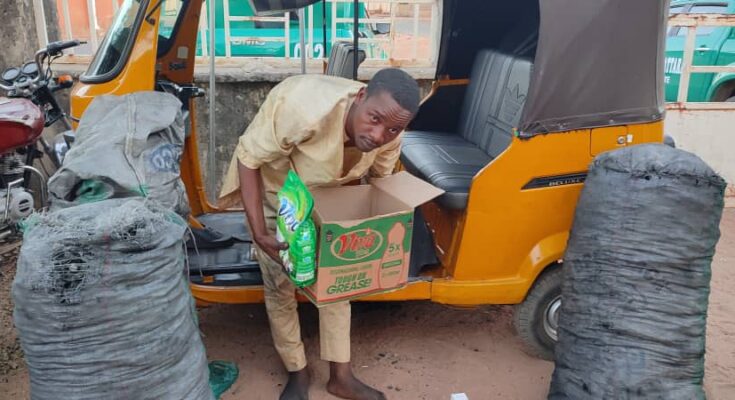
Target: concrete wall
{"type": "Point", "coordinates": [236, 105]}
{"type": "Point", "coordinates": [708, 134]}
{"type": "Point", "coordinates": [18, 30]}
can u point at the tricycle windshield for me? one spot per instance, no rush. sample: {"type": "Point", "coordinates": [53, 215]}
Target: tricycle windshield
{"type": "Point", "coordinates": [114, 49]}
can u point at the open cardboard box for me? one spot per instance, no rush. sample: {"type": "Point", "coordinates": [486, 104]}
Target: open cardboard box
{"type": "Point", "coordinates": [365, 236]}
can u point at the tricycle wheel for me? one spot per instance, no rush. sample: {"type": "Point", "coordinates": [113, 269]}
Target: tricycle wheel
{"type": "Point", "coordinates": [537, 319]}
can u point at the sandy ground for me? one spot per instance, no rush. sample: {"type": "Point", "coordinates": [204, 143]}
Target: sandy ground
{"type": "Point", "coordinates": [410, 350]}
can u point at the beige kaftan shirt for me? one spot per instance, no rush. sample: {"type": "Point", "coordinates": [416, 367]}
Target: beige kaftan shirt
{"type": "Point", "coordinates": [301, 126]}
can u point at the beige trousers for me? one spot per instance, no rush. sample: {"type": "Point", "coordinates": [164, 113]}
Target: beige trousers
{"type": "Point", "coordinates": [280, 303]}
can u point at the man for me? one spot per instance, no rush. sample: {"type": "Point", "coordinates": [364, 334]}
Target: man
{"type": "Point", "coordinates": [331, 131]}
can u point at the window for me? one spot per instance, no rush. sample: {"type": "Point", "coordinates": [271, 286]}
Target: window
{"type": "Point", "coordinates": [709, 9]}
{"type": "Point", "coordinates": [675, 10]}
{"type": "Point", "coordinates": [704, 9]}
{"type": "Point", "coordinates": [169, 14]}
{"type": "Point", "coordinates": [114, 50]}
{"type": "Point", "coordinates": [171, 11]}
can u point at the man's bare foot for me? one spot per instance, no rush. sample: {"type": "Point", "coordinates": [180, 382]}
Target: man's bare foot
{"type": "Point", "coordinates": [297, 387]}
{"type": "Point", "coordinates": [343, 383]}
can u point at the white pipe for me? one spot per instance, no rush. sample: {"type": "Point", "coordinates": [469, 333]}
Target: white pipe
{"type": "Point", "coordinates": [67, 19]}
{"type": "Point", "coordinates": [334, 25]}
{"type": "Point", "coordinates": [212, 149]}
{"type": "Point", "coordinates": [287, 34]}
{"type": "Point", "coordinates": [310, 46]}
{"type": "Point", "coordinates": [40, 15]}
{"type": "Point", "coordinates": [416, 13]}
{"type": "Point", "coordinates": [434, 32]}
{"type": "Point", "coordinates": [302, 39]}
{"type": "Point", "coordinates": [228, 41]}
{"type": "Point", "coordinates": [203, 24]}
{"type": "Point", "coordinates": [686, 65]}
{"type": "Point", "coordinates": [92, 12]}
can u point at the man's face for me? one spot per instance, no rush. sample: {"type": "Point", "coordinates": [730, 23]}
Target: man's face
{"type": "Point", "coordinates": [378, 119]}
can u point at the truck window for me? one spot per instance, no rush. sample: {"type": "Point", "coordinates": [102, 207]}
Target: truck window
{"type": "Point", "coordinates": [709, 8]}
{"type": "Point", "coordinates": [675, 10]}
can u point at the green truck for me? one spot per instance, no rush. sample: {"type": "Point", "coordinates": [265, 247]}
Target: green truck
{"type": "Point", "coordinates": [714, 46]}
{"type": "Point", "coordinates": [257, 38]}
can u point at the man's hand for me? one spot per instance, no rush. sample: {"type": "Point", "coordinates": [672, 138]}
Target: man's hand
{"type": "Point", "coordinates": [251, 191]}
{"type": "Point", "coordinates": [271, 246]}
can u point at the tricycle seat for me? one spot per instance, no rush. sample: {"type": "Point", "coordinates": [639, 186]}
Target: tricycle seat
{"type": "Point", "coordinates": [446, 160]}
{"type": "Point", "coordinates": [491, 109]}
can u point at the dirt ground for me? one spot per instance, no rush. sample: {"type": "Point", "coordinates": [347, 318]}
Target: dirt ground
{"type": "Point", "coordinates": [410, 350]}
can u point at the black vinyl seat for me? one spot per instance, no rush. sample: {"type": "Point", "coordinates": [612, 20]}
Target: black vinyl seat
{"type": "Point", "coordinates": [446, 160]}
{"type": "Point", "coordinates": [342, 59]}
{"type": "Point", "coordinates": [491, 109]}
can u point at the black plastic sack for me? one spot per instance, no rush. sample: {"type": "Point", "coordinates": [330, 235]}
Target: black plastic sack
{"type": "Point", "coordinates": [637, 274]}
{"type": "Point", "coordinates": [103, 308]}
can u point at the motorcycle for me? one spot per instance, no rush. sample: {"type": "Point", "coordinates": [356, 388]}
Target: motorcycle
{"type": "Point", "coordinates": [28, 108]}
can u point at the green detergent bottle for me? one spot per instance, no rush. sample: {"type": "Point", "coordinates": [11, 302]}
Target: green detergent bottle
{"type": "Point", "coordinates": [295, 226]}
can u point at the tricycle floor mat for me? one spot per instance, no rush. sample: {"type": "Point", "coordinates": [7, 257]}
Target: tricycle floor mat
{"type": "Point", "coordinates": [207, 238]}
{"type": "Point", "coordinates": [230, 223]}
{"type": "Point", "coordinates": [233, 259]}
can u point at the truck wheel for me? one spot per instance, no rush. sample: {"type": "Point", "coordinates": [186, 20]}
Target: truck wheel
{"type": "Point", "coordinates": [537, 319]}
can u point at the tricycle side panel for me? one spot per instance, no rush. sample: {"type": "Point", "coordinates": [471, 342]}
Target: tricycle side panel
{"type": "Point", "coordinates": [520, 213]}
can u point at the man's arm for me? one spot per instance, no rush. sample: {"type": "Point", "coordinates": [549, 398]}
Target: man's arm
{"type": "Point", "coordinates": [271, 135]}
{"type": "Point", "coordinates": [251, 191]}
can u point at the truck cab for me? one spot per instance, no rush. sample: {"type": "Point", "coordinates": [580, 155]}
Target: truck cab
{"type": "Point", "coordinates": [714, 46]}
{"type": "Point", "coordinates": [270, 35]}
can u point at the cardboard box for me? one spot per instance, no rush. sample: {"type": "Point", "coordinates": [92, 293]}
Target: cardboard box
{"type": "Point", "coordinates": [365, 236]}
